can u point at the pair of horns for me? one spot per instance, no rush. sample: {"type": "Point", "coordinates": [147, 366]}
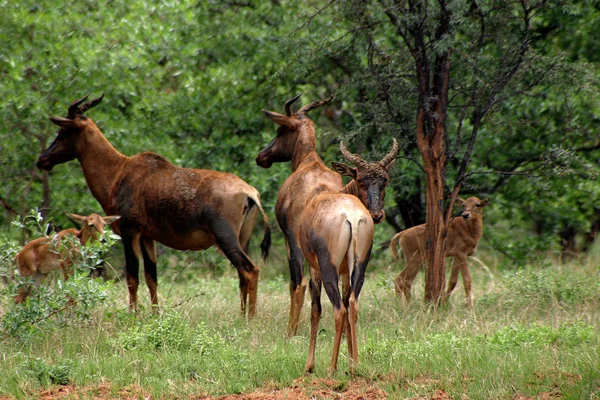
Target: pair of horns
{"type": "Point", "coordinates": [359, 161]}
{"type": "Point", "coordinates": [75, 109]}
{"type": "Point", "coordinates": [306, 108]}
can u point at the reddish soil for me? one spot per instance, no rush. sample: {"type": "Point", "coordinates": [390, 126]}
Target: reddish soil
{"type": "Point", "coordinates": [305, 388]}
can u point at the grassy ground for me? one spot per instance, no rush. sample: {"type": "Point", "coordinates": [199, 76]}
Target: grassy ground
{"type": "Point", "coordinates": [532, 333]}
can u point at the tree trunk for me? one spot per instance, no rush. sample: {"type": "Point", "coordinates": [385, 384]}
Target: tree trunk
{"type": "Point", "coordinates": [432, 151]}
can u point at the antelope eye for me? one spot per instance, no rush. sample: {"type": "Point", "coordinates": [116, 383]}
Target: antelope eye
{"type": "Point", "coordinates": [478, 205]}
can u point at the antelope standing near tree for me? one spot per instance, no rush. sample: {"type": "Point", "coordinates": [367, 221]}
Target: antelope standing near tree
{"type": "Point", "coordinates": [43, 255]}
{"type": "Point", "coordinates": [329, 224]}
{"type": "Point", "coordinates": [463, 236]}
{"type": "Point", "coordinates": [182, 208]}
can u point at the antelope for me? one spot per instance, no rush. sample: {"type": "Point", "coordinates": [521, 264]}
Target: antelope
{"type": "Point", "coordinates": [463, 236]}
{"type": "Point", "coordinates": [43, 255]}
{"type": "Point", "coordinates": [329, 224]}
{"type": "Point", "coordinates": [182, 208]}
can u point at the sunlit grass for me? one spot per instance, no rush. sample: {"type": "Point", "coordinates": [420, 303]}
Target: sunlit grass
{"type": "Point", "coordinates": [532, 332]}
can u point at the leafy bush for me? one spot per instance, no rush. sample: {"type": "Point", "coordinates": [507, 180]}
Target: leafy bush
{"type": "Point", "coordinates": [169, 331]}
{"type": "Point", "coordinates": [47, 374]}
{"type": "Point", "coordinates": [542, 335]}
{"type": "Point", "coordinates": [59, 302]}
{"type": "Point", "coordinates": [165, 330]}
{"type": "Point", "coordinates": [550, 285]}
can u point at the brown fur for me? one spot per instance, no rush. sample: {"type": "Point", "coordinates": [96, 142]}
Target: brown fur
{"type": "Point", "coordinates": [185, 209]}
{"type": "Point", "coordinates": [40, 256]}
{"type": "Point", "coordinates": [325, 223]}
{"type": "Point", "coordinates": [463, 236]}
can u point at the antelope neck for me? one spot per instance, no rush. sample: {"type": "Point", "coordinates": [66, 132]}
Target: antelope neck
{"type": "Point", "coordinates": [351, 188]}
{"type": "Point", "coordinates": [306, 144]}
{"type": "Point", "coordinates": [100, 163]}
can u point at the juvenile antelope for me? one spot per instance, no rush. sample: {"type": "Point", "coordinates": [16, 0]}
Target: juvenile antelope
{"type": "Point", "coordinates": [44, 255]}
{"type": "Point", "coordinates": [328, 224]}
{"type": "Point", "coordinates": [185, 209]}
{"type": "Point", "coordinates": [463, 236]}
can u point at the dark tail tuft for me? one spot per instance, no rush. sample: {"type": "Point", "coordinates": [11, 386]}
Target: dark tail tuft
{"type": "Point", "coordinates": [266, 242]}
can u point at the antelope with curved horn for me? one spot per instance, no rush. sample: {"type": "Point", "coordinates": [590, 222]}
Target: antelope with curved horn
{"type": "Point", "coordinates": [329, 224]}
{"type": "Point", "coordinates": [185, 209]}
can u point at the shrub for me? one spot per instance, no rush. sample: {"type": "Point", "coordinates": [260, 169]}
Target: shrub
{"type": "Point", "coordinates": [47, 374]}
{"type": "Point", "coordinates": [58, 302]}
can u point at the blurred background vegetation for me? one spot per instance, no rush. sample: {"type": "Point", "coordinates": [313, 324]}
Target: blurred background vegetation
{"type": "Point", "coordinates": [187, 79]}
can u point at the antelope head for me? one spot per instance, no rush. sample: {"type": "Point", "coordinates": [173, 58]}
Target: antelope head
{"type": "Point", "coordinates": [371, 178]}
{"type": "Point", "coordinates": [66, 145]}
{"type": "Point", "coordinates": [283, 147]}
{"type": "Point", "coordinates": [472, 207]}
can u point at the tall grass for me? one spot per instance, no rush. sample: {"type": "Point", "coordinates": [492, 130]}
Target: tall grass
{"type": "Point", "coordinates": [530, 332]}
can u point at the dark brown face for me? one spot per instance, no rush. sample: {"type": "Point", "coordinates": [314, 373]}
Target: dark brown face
{"type": "Point", "coordinates": [280, 149]}
{"type": "Point", "coordinates": [60, 151]}
{"type": "Point", "coordinates": [64, 147]}
{"type": "Point", "coordinates": [372, 192]}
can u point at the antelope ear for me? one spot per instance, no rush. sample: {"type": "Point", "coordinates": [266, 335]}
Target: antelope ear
{"type": "Point", "coordinates": [344, 169]}
{"type": "Point", "coordinates": [111, 218]}
{"type": "Point", "coordinates": [63, 122]}
{"type": "Point", "coordinates": [460, 201]}
{"type": "Point", "coordinates": [281, 119]}
{"type": "Point", "coordinates": [485, 202]}
{"type": "Point", "coordinates": [77, 218]}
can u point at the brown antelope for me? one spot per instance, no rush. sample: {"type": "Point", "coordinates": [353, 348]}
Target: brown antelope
{"type": "Point", "coordinates": [463, 236]}
{"type": "Point", "coordinates": [326, 223]}
{"type": "Point", "coordinates": [185, 209]}
{"type": "Point", "coordinates": [44, 255]}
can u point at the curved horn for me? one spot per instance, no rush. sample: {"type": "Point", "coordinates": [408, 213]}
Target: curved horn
{"type": "Point", "coordinates": [314, 104]}
{"type": "Point", "coordinates": [91, 104]}
{"type": "Point", "coordinates": [288, 105]}
{"type": "Point", "coordinates": [74, 107]}
{"type": "Point", "coordinates": [391, 155]}
{"type": "Point", "coordinates": [353, 158]}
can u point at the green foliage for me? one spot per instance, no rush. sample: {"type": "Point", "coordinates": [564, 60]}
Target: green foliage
{"type": "Point", "coordinates": [548, 286]}
{"type": "Point", "coordinates": [60, 302]}
{"type": "Point", "coordinates": [49, 373]}
{"type": "Point", "coordinates": [569, 335]}
{"type": "Point", "coordinates": [169, 331]}
{"type": "Point", "coordinates": [204, 348]}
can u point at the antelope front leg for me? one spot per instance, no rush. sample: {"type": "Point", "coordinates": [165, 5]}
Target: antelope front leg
{"type": "Point", "coordinates": [453, 279]}
{"type": "Point", "coordinates": [467, 281]}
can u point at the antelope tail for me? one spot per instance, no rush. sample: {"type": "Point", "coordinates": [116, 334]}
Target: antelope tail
{"type": "Point", "coordinates": [394, 244]}
{"type": "Point", "coordinates": [266, 242]}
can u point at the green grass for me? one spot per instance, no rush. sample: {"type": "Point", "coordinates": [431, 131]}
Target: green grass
{"type": "Point", "coordinates": [530, 332]}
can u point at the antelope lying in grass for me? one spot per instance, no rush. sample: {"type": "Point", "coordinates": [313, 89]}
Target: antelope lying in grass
{"type": "Point", "coordinates": [328, 224]}
{"type": "Point", "coordinates": [185, 209]}
{"type": "Point", "coordinates": [44, 255]}
{"type": "Point", "coordinates": [463, 236]}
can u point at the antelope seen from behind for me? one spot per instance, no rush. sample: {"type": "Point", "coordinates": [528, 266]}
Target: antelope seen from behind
{"type": "Point", "coordinates": [326, 223]}
{"type": "Point", "coordinates": [182, 208]}
{"type": "Point", "coordinates": [463, 236]}
{"type": "Point", "coordinates": [43, 255]}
